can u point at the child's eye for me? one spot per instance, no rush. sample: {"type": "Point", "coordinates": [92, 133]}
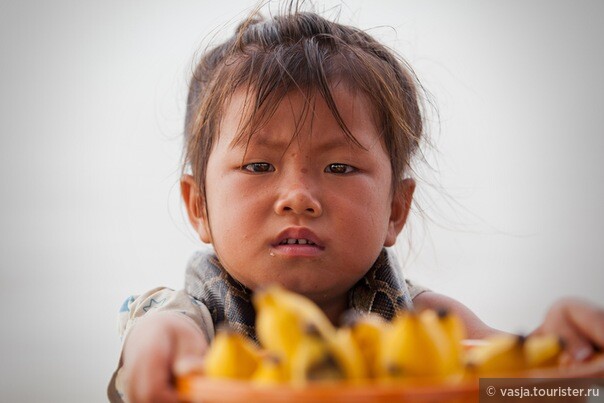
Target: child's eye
{"type": "Point", "coordinates": [340, 169]}
{"type": "Point", "coordinates": [258, 167]}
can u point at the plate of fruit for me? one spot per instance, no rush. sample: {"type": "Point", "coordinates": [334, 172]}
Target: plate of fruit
{"type": "Point", "coordinates": [416, 357]}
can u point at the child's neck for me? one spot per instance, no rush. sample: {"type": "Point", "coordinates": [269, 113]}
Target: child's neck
{"type": "Point", "coordinates": [334, 308]}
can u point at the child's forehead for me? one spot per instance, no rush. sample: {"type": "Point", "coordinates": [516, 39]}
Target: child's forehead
{"type": "Point", "coordinates": [303, 117]}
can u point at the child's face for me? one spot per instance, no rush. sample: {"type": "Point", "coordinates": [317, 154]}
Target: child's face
{"type": "Point", "coordinates": [321, 189]}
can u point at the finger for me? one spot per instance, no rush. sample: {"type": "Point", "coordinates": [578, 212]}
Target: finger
{"type": "Point", "coordinates": [576, 348]}
{"type": "Point", "coordinates": [189, 365]}
{"type": "Point", "coordinates": [156, 396]}
{"type": "Point", "coordinates": [145, 386]}
{"type": "Point", "coordinates": [147, 382]}
{"type": "Point", "coordinates": [588, 319]}
{"type": "Point", "coordinates": [562, 320]}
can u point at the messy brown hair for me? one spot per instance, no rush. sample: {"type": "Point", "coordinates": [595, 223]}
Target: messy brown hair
{"type": "Point", "coordinates": [305, 52]}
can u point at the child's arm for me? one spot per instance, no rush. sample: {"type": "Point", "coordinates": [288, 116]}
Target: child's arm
{"type": "Point", "coordinates": [160, 346]}
{"type": "Point", "coordinates": [158, 328]}
{"type": "Point", "coordinates": [578, 322]}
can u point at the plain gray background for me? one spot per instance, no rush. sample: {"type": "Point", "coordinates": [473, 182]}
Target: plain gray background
{"type": "Point", "coordinates": [92, 104]}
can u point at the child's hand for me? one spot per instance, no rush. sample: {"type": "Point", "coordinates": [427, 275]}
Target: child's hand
{"type": "Point", "coordinates": [160, 346]}
{"type": "Point", "coordinates": [581, 326]}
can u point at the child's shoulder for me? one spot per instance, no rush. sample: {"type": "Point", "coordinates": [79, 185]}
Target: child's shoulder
{"type": "Point", "coordinates": [164, 299]}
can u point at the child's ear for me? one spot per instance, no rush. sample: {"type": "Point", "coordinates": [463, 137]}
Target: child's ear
{"type": "Point", "coordinates": [401, 204]}
{"type": "Point", "coordinates": [193, 199]}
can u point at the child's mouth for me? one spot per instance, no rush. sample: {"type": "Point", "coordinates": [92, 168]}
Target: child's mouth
{"type": "Point", "coordinates": [295, 241]}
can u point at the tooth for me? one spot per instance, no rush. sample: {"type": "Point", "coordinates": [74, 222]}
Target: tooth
{"type": "Point", "coordinates": [302, 241]}
{"type": "Point", "coordinates": [291, 241]}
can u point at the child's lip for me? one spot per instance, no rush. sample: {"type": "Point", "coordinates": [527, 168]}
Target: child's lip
{"type": "Point", "coordinates": [299, 233]}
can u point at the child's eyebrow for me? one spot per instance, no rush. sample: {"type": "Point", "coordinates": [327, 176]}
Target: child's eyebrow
{"type": "Point", "coordinates": [260, 141]}
{"type": "Point", "coordinates": [319, 146]}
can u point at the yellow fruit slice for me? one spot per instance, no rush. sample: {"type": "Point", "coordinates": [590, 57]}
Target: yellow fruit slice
{"type": "Point", "coordinates": [502, 353]}
{"type": "Point", "coordinates": [231, 355]}
{"type": "Point", "coordinates": [542, 350]}
{"type": "Point", "coordinates": [271, 371]}
{"type": "Point", "coordinates": [367, 331]}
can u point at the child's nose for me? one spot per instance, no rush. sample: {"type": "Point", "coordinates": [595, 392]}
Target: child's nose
{"type": "Point", "coordinates": [297, 198]}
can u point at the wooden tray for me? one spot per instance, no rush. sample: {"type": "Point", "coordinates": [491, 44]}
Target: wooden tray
{"type": "Point", "coordinates": [197, 388]}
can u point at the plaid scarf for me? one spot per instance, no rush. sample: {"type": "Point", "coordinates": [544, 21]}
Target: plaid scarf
{"type": "Point", "coordinates": [382, 291]}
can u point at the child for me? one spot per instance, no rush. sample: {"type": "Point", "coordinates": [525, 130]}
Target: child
{"type": "Point", "coordinates": [299, 138]}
